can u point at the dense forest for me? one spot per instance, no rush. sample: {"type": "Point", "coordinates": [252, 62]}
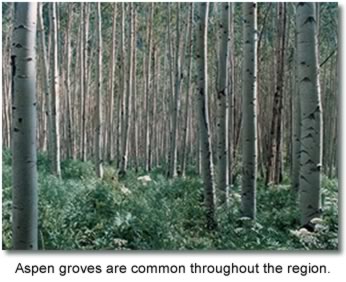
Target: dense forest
{"type": "Point", "coordinates": [170, 126]}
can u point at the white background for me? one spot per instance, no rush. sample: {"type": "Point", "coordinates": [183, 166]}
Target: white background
{"type": "Point", "coordinates": [335, 261]}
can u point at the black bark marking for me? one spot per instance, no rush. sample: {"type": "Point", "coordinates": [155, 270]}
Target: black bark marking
{"type": "Point", "coordinates": [19, 27]}
{"type": "Point", "coordinates": [310, 20]}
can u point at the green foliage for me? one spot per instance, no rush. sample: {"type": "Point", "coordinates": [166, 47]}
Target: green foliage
{"type": "Point", "coordinates": [80, 211]}
{"type": "Point", "coordinates": [77, 169]}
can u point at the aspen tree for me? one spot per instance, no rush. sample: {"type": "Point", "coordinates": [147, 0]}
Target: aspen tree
{"type": "Point", "coordinates": [45, 77]}
{"type": "Point", "coordinates": [98, 127]}
{"type": "Point", "coordinates": [147, 143]}
{"type": "Point", "coordinates": [24, 174]}
{"type": "Point", "coordinates": [110, 136]}
{"type": "Point", "coordinates": [172, 172]}
{"type": "Point", "coordinates": [124, 144]}
{"type": "Point", "coordinates": [188, 92]}
{"type": "Point", "coordinates": [55, 95]}
{"type": "Point", "coordinates": [203, 116]}
{"type": "Point", "coordinates": [222, 106]}
{"type": "Point", "coordinates": [310, 124]}
{"type": "Point", "coordinates": [249, 136]}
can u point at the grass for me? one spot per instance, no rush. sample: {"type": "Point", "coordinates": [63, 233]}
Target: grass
{"type": "Point", "coordinates": [80, 211]}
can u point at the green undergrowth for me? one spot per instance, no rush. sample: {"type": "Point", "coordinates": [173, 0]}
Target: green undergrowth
{"type": "Point", "coordinates": [80, 211]}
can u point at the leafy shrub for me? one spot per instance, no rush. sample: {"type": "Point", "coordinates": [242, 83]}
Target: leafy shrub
{"type": "Point", "coordinates": [77, 169]}
{"type": "Point", "coordinates": [6, 157]}
{"type": "Point", "coordinates": [81, 211]}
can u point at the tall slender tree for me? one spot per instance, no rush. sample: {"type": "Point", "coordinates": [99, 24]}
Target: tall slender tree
{"type": "Point", "coordinates": [98, 127]}
{"type": "Point", "coordinates": [147, 143]}
{"type": "Point", "coordinates": [249, 136]}
{"type": "Point", "coordinates": [310, 124]}
{"type": "Point", "coordinates": [203, 115]}
{"type": "Point", "coordinates": [222, 106]}
{"type": "Point", "coordinates": [56, 169]}
{"type": "Point", "coordinates": [188, 92]}
{"type": "Point", "coordinates": [24, 174]}
{"type": "Point", "coordinates": [124, 143]}
{"type": "Point", "coordinates": [172, 172]}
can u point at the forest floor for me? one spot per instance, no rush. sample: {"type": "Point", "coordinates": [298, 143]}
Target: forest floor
{"type": "Point", "coordinates": [81, 211]}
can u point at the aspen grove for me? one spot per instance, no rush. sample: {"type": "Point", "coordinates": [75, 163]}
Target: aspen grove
{"type": "Point", "coordinates": [170, 126]}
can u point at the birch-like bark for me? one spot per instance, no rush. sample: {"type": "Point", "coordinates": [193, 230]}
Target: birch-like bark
{"type": "Point", "coordinates": [110, 137]}
{"type": "Point", "coordinates": [249, 136]}
{"type": "Point", "coordinates": [172, 172]}
{"type": "Point", "coordinates": [134, 91]}
{"type": "Point", "coordinates": [55, 161]}
{"type": "Point", "coordinates": [24, 176]}
{"type": "Point", "coordinates": [310, 124]}
{"type": "Point", "coordinates": [70, 139]}
{"type": "Point", "coordinates": [124, 143]}
{"type": "Point", "coordinates": [98, 126]}
{"type": "Point", "coordinates": [45, 77]}
{"type": "Point", "coordinates": [147, 144]}
{"type": "Point", "coordinates": [222, 107]}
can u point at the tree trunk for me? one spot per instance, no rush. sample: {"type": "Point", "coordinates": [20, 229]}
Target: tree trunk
{"type": "Point", "coordinates": [188, 94]}
{"type": "Point", "coordinates": [24, 193]}
{"type": "Point", "coordinates": [55, 161]}
{"type": "Point", "coordinates": [134, 91]}
{"type": "Point", "coordinates": [249, 137]}
{"type": "Point", "coordinates": [46, 86]}
{"type": "Point", "coordinates": [203, 116]}
{"type": "Point", "coordinates": [222, 107]}
{"type": "Point", "coordinates": [147, 144]}
{"type": "Point", "coordinates": [172, 172]}
{"type": "Point", "coordinates": [110, 137]}
{"type": "Point", "coordinates": [309, 92]}
{"type": "Point", "coordinates": [70, 140]}
{"type": "Point", "coordinates": [124, 144]}
{"type": "Point", "coordinates": [296, 117]}
{"type": "Point", "coordinates": [98, 127]}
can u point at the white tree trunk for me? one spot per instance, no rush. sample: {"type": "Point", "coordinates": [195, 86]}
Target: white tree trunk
{"type": "Point", "coordinates": [55, 95]}
{"type": "Point", "coordinates": [24, 193]}
{"type": "Point", "coordinates": [310, 125]}
{"type": "Point", "coordinates": [98, 126]}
